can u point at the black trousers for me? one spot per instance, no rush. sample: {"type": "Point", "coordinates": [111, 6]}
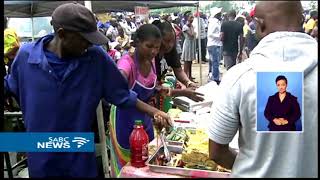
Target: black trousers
{"type": "Point", "coordinates": [203, 49]}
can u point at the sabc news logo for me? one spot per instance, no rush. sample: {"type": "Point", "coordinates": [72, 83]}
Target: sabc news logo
{"type": "Point", "coordinates": [62, 143]}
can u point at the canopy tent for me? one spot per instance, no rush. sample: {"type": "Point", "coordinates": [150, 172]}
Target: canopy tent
{"type": "Point", "coordinates": [19, 9]}
{"type": "Point", "coordinates": [25, 9]}
{"type": "Point", "coordinates": [30, 9]}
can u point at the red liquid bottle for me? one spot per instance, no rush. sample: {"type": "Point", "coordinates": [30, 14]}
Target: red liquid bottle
{"type": "Point", "coordinates": [139, 141]}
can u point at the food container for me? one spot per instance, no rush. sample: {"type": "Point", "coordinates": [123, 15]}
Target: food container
{"type": "Point", "coordinates": [188, 105]}
{"type": "Point", "coordinates": [181, 171]}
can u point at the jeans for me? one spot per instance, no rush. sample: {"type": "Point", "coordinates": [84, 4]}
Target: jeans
{"type": "Point", "coordinates": [230, 59]}
{"type": "Point", "coordinates": [215, 54]}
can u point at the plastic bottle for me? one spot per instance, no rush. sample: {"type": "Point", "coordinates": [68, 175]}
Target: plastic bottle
{"type": "Point", "coordinates": [139, 141]}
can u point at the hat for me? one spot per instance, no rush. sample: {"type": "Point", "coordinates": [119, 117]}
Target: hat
{"type": "Point", "coordinates": [214, 11]}
{"type": "Point", "coordinates": [76, 17]}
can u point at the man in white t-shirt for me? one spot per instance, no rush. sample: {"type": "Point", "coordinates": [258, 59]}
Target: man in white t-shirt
{"type": "Point", "coordinates": [282, 48]}
{"type": "Point", "coordinates": [214, 43]}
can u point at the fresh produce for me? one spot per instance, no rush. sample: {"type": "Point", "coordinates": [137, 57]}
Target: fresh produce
{"type": "Point", "coordinates": [195, 153]}
{"type": "Point", "coordinates": [178, 134]}
{"type": "Point", "coordinates": [193, 160]}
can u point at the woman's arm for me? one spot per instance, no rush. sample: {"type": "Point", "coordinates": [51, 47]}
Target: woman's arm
{"type": "Point", "coordinates": [181, 75]}
{"type": "Point", "coordinates": [183, 78]}
{"type": "Point", "coordinates": [188, 30]}
{"type": "Point", "coordinates": [195, 96]}
{"type": "Point", "coordinates": [295, 112]}
{"type": "Point", "coordinates": [267, 111]}
{"type": "Point", "coordinates": [161, 119]}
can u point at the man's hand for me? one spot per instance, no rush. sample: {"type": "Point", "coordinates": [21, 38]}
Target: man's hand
{"type": "Point", "coordinates": [161, 120]}
{"type": "Point", "coordinates": [191, 94]}
{"type": "Point", "coordinates": [277, 121]}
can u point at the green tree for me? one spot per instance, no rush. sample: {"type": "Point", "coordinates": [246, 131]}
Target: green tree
{"type": "Point", "coordinates": [225, 5]}
{"type": "Point", "coordinates": [313, 5]}
{"type": "Point", "coordinates": [172, 10]}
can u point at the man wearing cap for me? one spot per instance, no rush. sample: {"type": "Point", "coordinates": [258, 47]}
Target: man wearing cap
{"type": "Point", "coordinates": [214, 43]}
{"type": "Point", "coordinates": [59, 81]}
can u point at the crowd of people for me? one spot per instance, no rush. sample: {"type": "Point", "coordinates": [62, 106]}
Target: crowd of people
{"type": "Point", "coordinates": [227, 36]}
{"type": "Point", "coordinates": [61, 78]}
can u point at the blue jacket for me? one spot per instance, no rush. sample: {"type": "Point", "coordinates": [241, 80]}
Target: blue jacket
{"type": "Point", "coordinates": [50, 104]}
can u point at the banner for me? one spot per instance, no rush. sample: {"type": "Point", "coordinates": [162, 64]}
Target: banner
{"type": "Point", "coordinates": [46, 142]}
{"type": "Point", "coordinates": [141, 13]}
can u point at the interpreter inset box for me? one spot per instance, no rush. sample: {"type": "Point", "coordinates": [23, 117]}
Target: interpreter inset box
{"type": "Point", "coordinates": [279, 102]}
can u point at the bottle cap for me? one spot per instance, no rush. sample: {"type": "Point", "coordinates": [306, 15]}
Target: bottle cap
{"type": "Point", "coordinates": [138, 122]}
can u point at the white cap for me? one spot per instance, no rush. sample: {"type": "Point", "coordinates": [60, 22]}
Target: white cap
{"type": "Point", "coordinates": [214, 11]}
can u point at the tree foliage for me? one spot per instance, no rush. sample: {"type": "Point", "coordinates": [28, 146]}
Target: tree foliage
{"type": "Point", "coordinates": [225, 5]}
{"type": "Point", "coordinates": [172, 10]}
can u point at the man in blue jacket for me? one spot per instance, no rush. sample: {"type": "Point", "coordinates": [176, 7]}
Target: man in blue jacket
{"type": "Point", "coordinates": [59, 81]}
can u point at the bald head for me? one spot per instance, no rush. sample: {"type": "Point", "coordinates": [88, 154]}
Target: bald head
{"type": "Point", "coordinates": [279, 16]}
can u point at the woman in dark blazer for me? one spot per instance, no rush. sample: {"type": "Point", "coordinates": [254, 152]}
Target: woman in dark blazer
{"type": "Point", "coordinates": [282, 110]}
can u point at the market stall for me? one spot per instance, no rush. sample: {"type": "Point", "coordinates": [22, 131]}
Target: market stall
{"type": "Point", "coordinates": [187, 143]}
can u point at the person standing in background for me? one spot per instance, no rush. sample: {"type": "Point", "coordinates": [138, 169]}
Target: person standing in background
{"type": "Point", "coordinates": [241, 20]}
{"type": "Point", "coordinates": [202, 35]}
{"type": "Point", "coordinates": [214, 43]}
{"type": "Point", "coordinates": [11, 45]}
{"type": "Point", "coordinates": [311, 22]}
{"type": "Point", "coordinates": [231, 32]}
{"type": "Point", "coordinates": [189, 46]}
{"type": "Point", "coordinates": [178, 32]}
{"type": "Point", "coordinates": [128, 26]}
{"type": "Point", "coordinates": [122, 39]}
{"type": "Point", "coordinates": [251, 38]}
{"type": "Point", "coordinates": [112, 31]}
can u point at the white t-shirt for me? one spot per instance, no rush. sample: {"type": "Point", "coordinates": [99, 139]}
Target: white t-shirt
{"type": "Point", "coordinates": [214, 32]}
{"type": "Point", "coordinates": [266, 154]}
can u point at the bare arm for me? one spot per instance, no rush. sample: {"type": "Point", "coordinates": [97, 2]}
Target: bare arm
{"type": "Point", "coordinates": [160, 119]}
{"type": "Point", "coordinates": [190, 32]}
{"type": "Point", "coordinates": [222, 36]}
{"type": "Point", "coordinates": [181, 75]}
{"type": "Point", "coordinates": [191, 94]}
{"type": "Point", "coordinates": [11, 52]}
{"type": "Point", "coordinates": [222, 154]}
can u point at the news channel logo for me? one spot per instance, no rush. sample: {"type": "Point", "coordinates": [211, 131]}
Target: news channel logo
{"type": "Point", "coordinates": [62, 142]}
{"type": "Point", "coordinates": [47, 142]}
